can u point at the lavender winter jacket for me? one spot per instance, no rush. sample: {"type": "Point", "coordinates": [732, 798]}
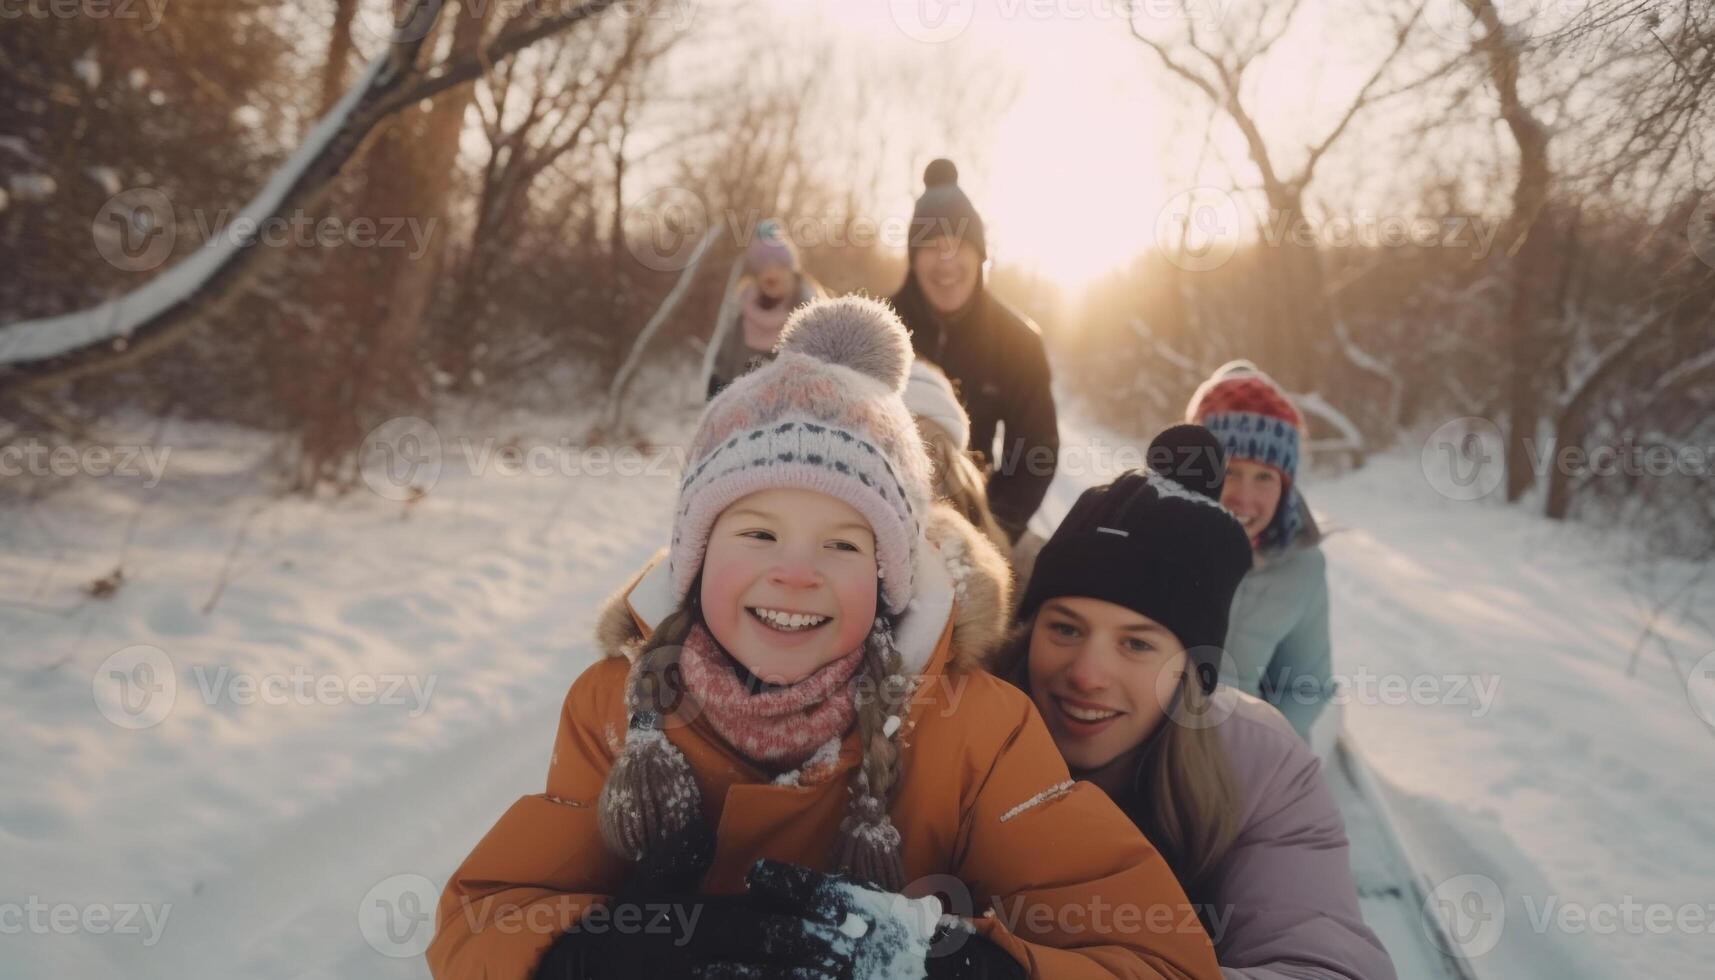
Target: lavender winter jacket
{"type": "Point", "coordinates": [1284, 903]}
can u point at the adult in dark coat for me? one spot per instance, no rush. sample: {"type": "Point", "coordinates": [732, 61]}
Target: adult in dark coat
{"type": "Point", "coordinates": [993, 356]}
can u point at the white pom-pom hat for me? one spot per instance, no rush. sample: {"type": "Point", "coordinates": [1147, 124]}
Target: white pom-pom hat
{"type": "Point", "coordinates": [826, 415]}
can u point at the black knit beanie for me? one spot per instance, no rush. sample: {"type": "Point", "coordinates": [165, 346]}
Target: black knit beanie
{"type": "Point", "coordinates": [1158, 542]}
{"type": "Point", "coordinates": [945, 210]}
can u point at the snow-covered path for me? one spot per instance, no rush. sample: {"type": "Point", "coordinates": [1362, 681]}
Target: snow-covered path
{"type": "Point", "coordinates": [309, 839]}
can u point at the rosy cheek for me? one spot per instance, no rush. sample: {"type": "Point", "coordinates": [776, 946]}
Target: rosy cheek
{"type": "Point", "coordinates": [723, 589]}
{"type": "Point", "coordinates": [856, 596]}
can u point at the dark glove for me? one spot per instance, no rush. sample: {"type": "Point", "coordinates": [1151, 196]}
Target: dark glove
{"type": "Point", "coordinates": [887, 928]}
{"type": "Point", "coordinates": [699, 938]}
{"type": "Point", "coordinates": [961, 953]}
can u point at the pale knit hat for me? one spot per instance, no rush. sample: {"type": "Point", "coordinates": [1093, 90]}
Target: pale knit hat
{"type": "Point", "coordinates": [825, 415]}
{"type": "Point", "coordinates": [769, 245]}
{"type": "Point", "coordinates": [929, 395]}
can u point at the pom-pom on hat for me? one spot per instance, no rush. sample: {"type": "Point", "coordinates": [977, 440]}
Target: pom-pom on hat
{"type": "Point", "coordinates": [825, 415]}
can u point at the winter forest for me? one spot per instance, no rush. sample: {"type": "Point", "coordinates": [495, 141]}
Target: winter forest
{"type": "Point", "coordinates": [1014, 488]}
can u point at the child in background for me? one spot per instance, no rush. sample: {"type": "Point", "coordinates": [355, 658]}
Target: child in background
{"type": "Point", "coordinates": [791, 733]}
{"type": "Point", "coordinates": [774, 286]}
{"type": "Point", "coordinates": [1278, 646]}
{"type": "Point", "coordinates": [946, 431]}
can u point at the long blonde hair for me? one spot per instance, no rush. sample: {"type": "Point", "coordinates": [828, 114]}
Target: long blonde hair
{"type": "Point", "coordinates": [1181, 795]}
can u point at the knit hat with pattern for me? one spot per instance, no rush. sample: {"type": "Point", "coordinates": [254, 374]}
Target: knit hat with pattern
{"type": "Point", "coordinates": [825, 415]}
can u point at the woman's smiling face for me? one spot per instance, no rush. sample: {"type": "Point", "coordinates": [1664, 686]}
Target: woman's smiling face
{"type": "Point", "coordinates": [789, 582]}
{"type": "Point", "coordinates": [1095, 674]}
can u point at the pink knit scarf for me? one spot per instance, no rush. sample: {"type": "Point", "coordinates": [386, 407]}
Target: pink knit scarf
{"type": "Point", "coordinates": [781, 726]}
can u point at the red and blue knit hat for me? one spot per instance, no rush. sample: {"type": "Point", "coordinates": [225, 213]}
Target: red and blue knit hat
{"type": "Point", "coordinates": [1254, 420]}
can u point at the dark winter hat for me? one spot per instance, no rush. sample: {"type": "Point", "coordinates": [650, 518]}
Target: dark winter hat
{"type": "Point", "coordinates": [1156, 542]}
{"type": "Point", "coordinates": [945, 211]}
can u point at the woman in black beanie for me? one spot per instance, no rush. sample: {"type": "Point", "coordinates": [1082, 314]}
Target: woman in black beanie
{"type": "Point", "coordinates": [993, 356]}
{"type": "Point", "coordinates": [1118, 641]}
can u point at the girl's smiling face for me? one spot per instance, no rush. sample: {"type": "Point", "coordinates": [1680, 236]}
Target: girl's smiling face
{"type": "Point", "coordinates": [1252, 492]}
{"type": "Point", "coordinates": [1097, 671]}
{"type": "Point", "coordinates": [789, 582]}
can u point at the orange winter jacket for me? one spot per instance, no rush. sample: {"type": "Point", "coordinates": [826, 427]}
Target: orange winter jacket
{"type": "Point", "coordinates": [1050, 870]}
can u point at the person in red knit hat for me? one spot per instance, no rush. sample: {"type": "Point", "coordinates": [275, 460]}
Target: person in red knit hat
{"type": "Point", "coordinates": [1278, 644]}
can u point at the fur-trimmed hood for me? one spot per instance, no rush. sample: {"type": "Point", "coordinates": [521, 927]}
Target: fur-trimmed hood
{"type": "Point", "coordinates": [959, 574]}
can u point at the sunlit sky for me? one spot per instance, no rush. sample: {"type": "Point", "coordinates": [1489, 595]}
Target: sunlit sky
{"type": "Point", "coordinates": [1098, 140]}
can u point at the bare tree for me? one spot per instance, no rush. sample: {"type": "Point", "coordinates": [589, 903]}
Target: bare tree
{"type": "Point", "coordinates": [1215, 63]}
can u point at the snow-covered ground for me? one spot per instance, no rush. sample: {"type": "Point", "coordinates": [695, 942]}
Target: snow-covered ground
{"type": "Point", "coordinates": [276, 787]}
